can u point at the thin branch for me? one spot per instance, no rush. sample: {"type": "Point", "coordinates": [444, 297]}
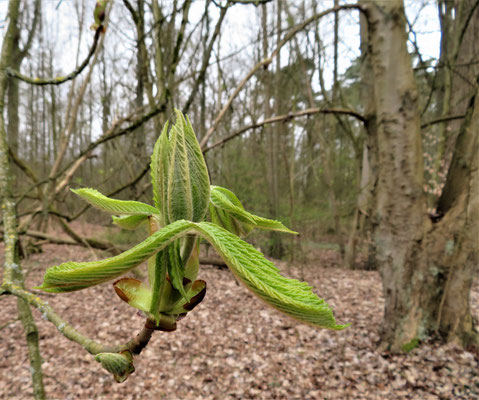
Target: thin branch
{"type": "Point", "coordinates": [52, 212]}
{"type": "Point", "coordinates": [22, 165]}
{"type": "Point", "coordinates": [79, 241]}
{"type": "Point", "coordinates": [134, 15]}
{"type": "Point", "coordinates": [31, 33]}
{"type": "Point", "coordinates": [63, 326]}
{"type": "Point", "coordinates": [116, 191]}
{"type": "Point", "coordinates": [60, 79]}
{"type": "Point", "coordinates": [442, 119]}
{"type": "Point", "coordinates": [135, 345]}
{"type": "Point", "coordinates": [206, 60]}
{"type": "Point", "coordinates": [112, 134]}
{"type": "Point", "coordinates": [9, 323]}
{"type": "Point", "coordinates": [286, 117]}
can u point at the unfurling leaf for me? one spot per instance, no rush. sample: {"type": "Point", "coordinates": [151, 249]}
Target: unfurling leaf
{"type": "Point", "coordinates": [196, 294]}
{"type": "Point", "coordinates": [180, 178]}
{"type": "Point", "coordinates": [129, 221]}
{"type": "Point", "coordinates": [193, 264]}
{"type": "Point", "coordinates": [227, 211]}
{"type": "Point", "coordinates": [72, 276]}
{"type": "Point", "coordinates": [113, 206]}
{"type": "Point", "coordinates": [289, 296]}
{"type": "Point", "coordinates": [134, 292]}
{"type": "Point", "coordinates": [176, 270]}
{"type": "Point", "coordinates": [159, 176]}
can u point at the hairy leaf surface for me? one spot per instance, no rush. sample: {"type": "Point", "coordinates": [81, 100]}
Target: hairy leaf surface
{"type": "Point", "coordinates": [176, 269]}
{"type": "Point", "coordinates": [72, 276]}
{"type": "Point", "coordinates": [129, 221]}
{"type": "Point", "coordinates": [188, 180]}
{"type": "Point", "coordinates": [228, 208]}
{"type": "Point", "coordinates": [158, 167]}
{"type": "Point", "coordinates": [113, 206]}
{"type": "Point", "coordinates": [289, 296]}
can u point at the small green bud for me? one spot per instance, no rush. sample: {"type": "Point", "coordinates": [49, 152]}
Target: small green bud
{"type": "Point", "coordinates": [181, 184]}
{"type": "Point", "coordinates": [120, 365]}
{"type": "Point", "coordinates": [99, 15]}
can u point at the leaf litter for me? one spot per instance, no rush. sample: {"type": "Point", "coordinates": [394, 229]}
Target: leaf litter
{"type": "Point", "coordinates": [232, 346]}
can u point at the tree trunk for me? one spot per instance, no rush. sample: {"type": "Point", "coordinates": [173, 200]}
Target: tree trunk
{"type": "Point", "coordinates": [453, 248]}
{"type": "Point", "coordinates": [426, 268]}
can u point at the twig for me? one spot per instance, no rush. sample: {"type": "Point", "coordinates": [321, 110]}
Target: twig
{"type": "Point", "coordinates": [206, 59]}
{"type": "Point", "coordinates": [63, 326]}
{"type": "Point", "coordinates": [213, 261]}
{"type": "Point", "coordinates": [135, 345]}
{"type": "Point", "coordinates": [85, 242]}
{"type": "Point", "coordinates": [111, 134]}
{"type": "Point", "coordinates": [442, 119]}
{"type": "Point", "coordinates": [60, 79]}
{"type": "Point", "coordinates": [286, 117]}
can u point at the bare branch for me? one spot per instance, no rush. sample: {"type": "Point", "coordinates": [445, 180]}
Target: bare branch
{"type": "Point", "coordinates": [63, 326]}
{"type": "Point", "coordinates": [78, 241]}
{"type": "Point", "coordinates": [442, 119]}
{"type": "Point", "coordinates": [60, 79]}
{"type": "Point", "coordinates": [286, 117]}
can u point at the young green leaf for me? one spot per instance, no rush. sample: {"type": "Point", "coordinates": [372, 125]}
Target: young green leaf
{"type": "Point", "coordinates": [289, 296]}
{"type": "Point", "coordinates": [129, 221]}
{"type": "Point", "coordinates": [72, 276]}
{"type": "Point", "coordinates": [176, 269]}
{"type": "Point", "coordinates": [193, 264]}
{"type": "Point", "coordinates": [134, 292]}
{"type": "Point", "coordinates": [159, 168]}
{"type": "Point", "coordinates": [113, 206]}
{"type": "Point", "coordinates": [188, 189]}
{"type": "Point", "coordinates": [227, 211]}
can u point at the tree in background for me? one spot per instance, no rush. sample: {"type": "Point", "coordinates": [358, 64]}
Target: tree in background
{"type": "Point", "coordinates": [427, 262]}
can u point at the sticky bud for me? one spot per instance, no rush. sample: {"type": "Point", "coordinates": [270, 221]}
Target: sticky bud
{"type": "Point", "coordinates": [118, 364]}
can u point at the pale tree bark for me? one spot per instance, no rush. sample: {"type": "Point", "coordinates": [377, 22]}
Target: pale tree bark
{"type": "Point", "coordinates": [452, 246]}
{"type": "Point", "coordinates": [369, 170]}
{"type": "Point", "coordinates": [426, 268]}
{"type": "Point", "coordinates": [457, 69]}
{"type": "Point", "coordinates": [400, 211]}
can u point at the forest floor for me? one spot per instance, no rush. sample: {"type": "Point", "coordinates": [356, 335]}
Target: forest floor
{"type": "Point", "coordinates": [233, 346]}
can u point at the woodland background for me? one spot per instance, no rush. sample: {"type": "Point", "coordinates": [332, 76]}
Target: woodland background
{"type": "Point", "coordinates": [354, 123]}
